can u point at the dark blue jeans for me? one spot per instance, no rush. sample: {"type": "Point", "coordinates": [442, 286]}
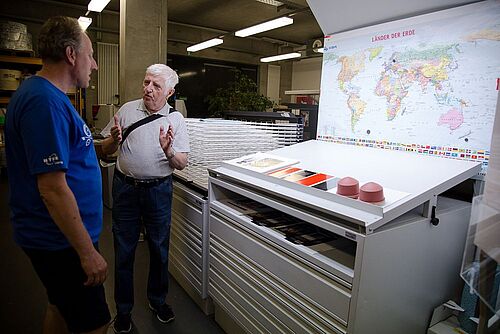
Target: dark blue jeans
{"type": "Point", "coordinates": [153, 205]}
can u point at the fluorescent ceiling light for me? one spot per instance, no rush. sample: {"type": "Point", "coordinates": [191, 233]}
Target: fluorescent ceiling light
{"type": "Point", "coordinates": [187, 74]}
{"type": "Point", "coordinates": [280, 57]}
{"type": "Point", "coordinates": [319, 50]}
{"type": "Point", "coordinates": [97, 5]}
{"type": "Point", "coordinates": [84, 22]}
{"type": "Point", "coordinates": [269, 25]}
{"type": "Point", "coordinates": [204, 45]}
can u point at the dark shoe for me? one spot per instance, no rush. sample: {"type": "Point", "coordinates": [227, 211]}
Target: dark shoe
{"type": "Point", "coordinates": [164, 313]}
{"type": "Point", "coordinates": [122, 323]}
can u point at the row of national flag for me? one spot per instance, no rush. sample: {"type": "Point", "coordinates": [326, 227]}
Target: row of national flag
{"type": "Point", "coordinates": [482, 156]}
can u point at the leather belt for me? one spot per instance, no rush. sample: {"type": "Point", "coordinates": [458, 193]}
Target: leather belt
{"type": "Point", "coordinates": [145, 183]}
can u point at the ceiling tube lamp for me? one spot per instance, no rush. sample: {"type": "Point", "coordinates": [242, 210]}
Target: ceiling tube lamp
{"type": "Point", "coordinates": [269, 25]}
{"type": "Point", "coordinates": [97, 5]}
{"type": "Point", "coordinates": [319, 50]}
{"type": "Point", "coordinates": [205, 45]}
{"type": "Point", "coordinates": [280, 57]}
{"type": "Point", "coordinates": [84, 22]}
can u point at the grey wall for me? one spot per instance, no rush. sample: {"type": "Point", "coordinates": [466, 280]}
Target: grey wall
{"type": "Point", "coordinates": [143, 41]}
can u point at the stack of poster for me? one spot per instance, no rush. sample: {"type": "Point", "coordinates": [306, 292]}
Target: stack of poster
{"type": "Point", "coordinates": [262, 162]}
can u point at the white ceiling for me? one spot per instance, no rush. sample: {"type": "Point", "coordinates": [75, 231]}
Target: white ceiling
{"type": "Point", "coordinates": [338, 16]}
{"type": "Point", "coordinates": [238, 14]}
{"type": "Point", "coordinates": [333, 15]}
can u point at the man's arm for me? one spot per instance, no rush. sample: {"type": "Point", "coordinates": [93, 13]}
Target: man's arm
{"type": "Point", "coordinates": [61, 204]}
{"type": "Point", "coordinates": [178, 161]}
{"type": "Point", "coordinates": [111, 144]}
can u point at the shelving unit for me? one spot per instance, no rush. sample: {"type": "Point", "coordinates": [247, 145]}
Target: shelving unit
{"type": "Point", "coordinates": [32, 65]}
{"type": "Point", "coordinates": [21, 63]}
{"type": "Point", "coordinates": [20, 60]}
{"type": "Point", "coordinates": [14, 62]}
{"type": "Point", "coordinates": [305, 104]}
{"type": "Point", "coordinates": [214, 140]}
{"type": "Point", "coordinates": [27, 65]}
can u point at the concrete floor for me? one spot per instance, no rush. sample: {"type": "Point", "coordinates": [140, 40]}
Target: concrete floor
{"type": "Point", "coordinates": [23, 299]}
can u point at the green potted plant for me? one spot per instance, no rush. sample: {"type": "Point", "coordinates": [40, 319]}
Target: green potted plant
{"type": "Point", "coordinates": [240, 95]}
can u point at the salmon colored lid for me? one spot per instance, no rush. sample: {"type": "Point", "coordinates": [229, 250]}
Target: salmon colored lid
{"type": "Point", "coordinates": [348, 186]}
{"type": "Point", "coordinates": [371, 192]}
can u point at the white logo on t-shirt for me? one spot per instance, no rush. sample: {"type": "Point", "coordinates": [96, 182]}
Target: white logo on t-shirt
{"type": "Point", "coordinates": [52, 159]}
{"type": "Point", "coordinates": [88, 135]}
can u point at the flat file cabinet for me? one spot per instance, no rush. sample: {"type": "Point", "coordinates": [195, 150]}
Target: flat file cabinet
{"type": "Point", "coordinates": [379, 270]}
{"type": "Point", "coordinates": [188, 254]}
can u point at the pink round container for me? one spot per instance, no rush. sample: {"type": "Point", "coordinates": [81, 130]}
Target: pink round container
{"type": "Point", "coordinates": [348, 186]}
{"type": "Point", "coordinates": [371, 192]}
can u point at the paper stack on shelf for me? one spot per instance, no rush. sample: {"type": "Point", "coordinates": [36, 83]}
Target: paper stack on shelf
{"type": "Point", "coordinates": [214, 140]}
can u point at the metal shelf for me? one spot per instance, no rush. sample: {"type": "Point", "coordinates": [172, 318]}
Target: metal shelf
{"type": "Point", "coordinates": [21, 60]}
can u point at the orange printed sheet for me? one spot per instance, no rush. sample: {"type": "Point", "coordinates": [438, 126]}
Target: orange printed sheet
{"type": "Point", "coordinates": [316, 178]}
{"type": "Point", "coordinates": [284, 172]}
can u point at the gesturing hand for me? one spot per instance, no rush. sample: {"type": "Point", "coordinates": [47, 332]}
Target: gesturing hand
{"type": "Point", "coordinates": [166, 139]}
{"type": "Point", "coordinates": [116, 131]}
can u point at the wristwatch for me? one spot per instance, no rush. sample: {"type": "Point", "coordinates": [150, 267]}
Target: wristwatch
{"type": "Point", "coordinates": [173, 153]}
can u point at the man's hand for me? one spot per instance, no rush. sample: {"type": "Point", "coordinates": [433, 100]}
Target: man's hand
{"type": "Point", "coordinates": [176, 160]}
{"type": "Point", "coordinates": [111, 143]}
{"type": "Point", "coordinates": [95, 267]}
{"type": "Point", "coordinates": [116, 131]}
{"type": "Point", "coordinates": [166, 140]}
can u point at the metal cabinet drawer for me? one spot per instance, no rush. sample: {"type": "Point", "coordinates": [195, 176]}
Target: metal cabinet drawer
{"type": "Point", "coordinates": [267, 280]}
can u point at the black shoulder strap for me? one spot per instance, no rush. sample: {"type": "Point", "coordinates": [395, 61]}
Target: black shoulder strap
{"type": "Point", "coordinates": [139, 123]}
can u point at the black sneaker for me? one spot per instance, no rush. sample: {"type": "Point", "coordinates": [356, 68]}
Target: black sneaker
{"type": "Point", "coordinates": [122, 323]}
{"type": "Point", "coordinates": [164, 313]}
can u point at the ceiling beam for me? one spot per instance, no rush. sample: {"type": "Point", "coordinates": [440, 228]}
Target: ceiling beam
{"type": "Point", "coordinates": [292, 5]}
{"type": "Point", "coordinates": [75, 6]}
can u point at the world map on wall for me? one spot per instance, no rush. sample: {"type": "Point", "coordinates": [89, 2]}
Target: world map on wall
{"type": "Point", "coordinates": [427, 84]}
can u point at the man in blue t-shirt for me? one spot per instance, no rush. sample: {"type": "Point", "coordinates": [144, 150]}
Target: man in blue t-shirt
{"type": "Point", "coordinates": [55, 182]}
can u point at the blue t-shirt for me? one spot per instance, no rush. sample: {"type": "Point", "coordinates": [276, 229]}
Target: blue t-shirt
{"type": "Point", "coordinates": [44, 133]}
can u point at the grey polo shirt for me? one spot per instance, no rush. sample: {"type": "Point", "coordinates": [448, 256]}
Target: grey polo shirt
{"type": "Point", "coordinates": [141, 156]}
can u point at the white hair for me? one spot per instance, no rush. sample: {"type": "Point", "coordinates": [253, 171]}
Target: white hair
{"type": "Point", "coordinates": [169, 75]}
